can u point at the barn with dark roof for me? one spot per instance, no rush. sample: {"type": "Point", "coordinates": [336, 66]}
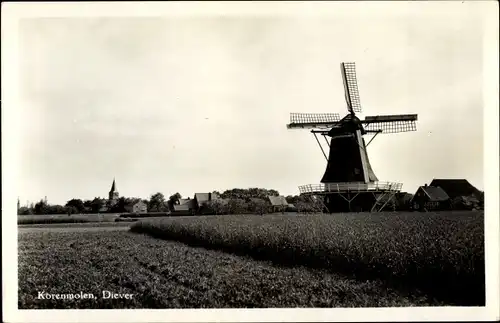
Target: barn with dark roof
{"type": "Point", "coordinates": [278, 203]}
{"type": "Point", "coordinates": [456, 187]}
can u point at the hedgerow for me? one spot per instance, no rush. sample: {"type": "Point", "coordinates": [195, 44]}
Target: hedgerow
{"type": "Point", "coordinates": [57, 218]}
{"type": "Point", "coordinates": [441, 253]}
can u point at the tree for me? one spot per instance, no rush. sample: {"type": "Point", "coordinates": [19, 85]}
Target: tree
{"type": "Point", "coordinates": [258, 206]}
{"type": "Point", "coordinates": [403, 201]}
{"type": "Point", "coordinates": [87, 204]}
{"type": "Point", "coordinates": [71, 209]}
{"type": "Point", "coordinates": [217, 206]}
{"type": "Point", "coordinates": [77, 204]}
{"type": "Point", "coordinates": [55, 209]}
{"type": "Point", "coordinates": [173, 200]}
{"type": "Point", "coordinates": [466, 203]}
{"type": "Point", "coordinates": [236, 206]}
{"type": "Point", "coordinates": [157, 203]}
{"type": "Point", "coordinates": [247, 194]}
{"type": "Point", "coordinates": [97, 204]}
{"type": "Point", "coordinates": [23, 210]}
{"type": "Point", "coordinates": [41, 207]}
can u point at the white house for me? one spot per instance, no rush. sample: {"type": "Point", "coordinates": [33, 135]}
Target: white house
{"type": "Point", "coordinates": [138, 207]}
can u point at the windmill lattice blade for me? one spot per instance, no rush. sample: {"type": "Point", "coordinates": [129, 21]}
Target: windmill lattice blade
{"type": "Point", "coordinates": [313, 120]}
{"type": "Point", "coordinates": [351, 86]}
{"type": "Point", "coordinates": [391, 126]}
{"type": "Point", "coordinates": [389, 118]}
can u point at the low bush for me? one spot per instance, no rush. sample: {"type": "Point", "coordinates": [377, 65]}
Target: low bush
{"type": "Point", "coordinates": [144, 215]}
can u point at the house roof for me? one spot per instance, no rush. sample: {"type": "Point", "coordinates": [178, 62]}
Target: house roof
{"type": "Point", "coordinates": [181, 207]}
{"type": "Point", "coordinates": [131, 205]}
{"type": "Point", "coordinates": [183, 201]}
{"type": "Point", "coordinates": [202, 197]}
{"type": "Point", "coordinates": [185, 204]}
{"type": "Point", "coordinates": [278, 200]}
{"type": "Point", "coordinates": [435, 194]}
{"type": "Point", "coordinates": [205, 197]}
{"type": "Point", "coordinates": [456, 187]}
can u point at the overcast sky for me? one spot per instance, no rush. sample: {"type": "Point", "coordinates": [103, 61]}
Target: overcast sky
{"type": "Point", "coordinates": [180, 104]}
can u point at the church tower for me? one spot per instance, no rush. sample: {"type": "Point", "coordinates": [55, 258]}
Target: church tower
{"type": "Point", "coordinates": [113, 193]}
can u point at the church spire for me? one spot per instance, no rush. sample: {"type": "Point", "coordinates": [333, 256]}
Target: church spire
{"type": "Point", "coordinates": [113, 186]}
{"type": "Point", "coordinates": [113, 193]}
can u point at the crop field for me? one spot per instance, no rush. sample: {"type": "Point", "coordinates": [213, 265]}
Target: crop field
{"type": "Point", "coordinates": [440, 254]}
{"type": "Point", "coordinates": [92, 258]}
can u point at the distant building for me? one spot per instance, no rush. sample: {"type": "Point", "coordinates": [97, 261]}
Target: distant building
{"type": "Point", "coordinates": [278, 203]}
{"type": "Point", "coordinates": [197, 205]}
{"type": "Point", "coordinates": [202, 200]}
{"type": "Point", "coordinates": [103, 209]}
{"type": "Point", "coordinates": [113, 194]}
{"type": "Point", "coordinates": [430, 198]}
{"type": "Point", "coordinates": [186, 206]}
{"type": "Point", "coordinates": [137, 207]}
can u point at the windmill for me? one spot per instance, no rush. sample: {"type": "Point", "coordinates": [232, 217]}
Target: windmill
{"type": "Point", "coordinates": [349, 182]}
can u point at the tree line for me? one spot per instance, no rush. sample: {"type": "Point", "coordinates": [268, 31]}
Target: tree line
{"type": "Point", "coordinates": [236, 200]}
{"type": "Point", "coordinates": [232, 201]}
{"type": "Point", "coordinates": [156, 203]}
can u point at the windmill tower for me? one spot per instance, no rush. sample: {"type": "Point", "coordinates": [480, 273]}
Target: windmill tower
{"type": "Point", "coordinates": [349, 182]}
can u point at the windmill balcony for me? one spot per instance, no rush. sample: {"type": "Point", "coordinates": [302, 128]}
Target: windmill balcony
{"type": "Point", "coordinates": [350, 187]}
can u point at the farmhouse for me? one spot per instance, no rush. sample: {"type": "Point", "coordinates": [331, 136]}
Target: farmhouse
{"type": "Point", "coordinates": [137, 207]}
{"type": "Point", "coordinates": [185, 206]}
{"type": "Point", "coordinates": [278, 203]}
{"type": "Point", "coordinates": [202, 200]}
{"type": "Point", "coordinates": [429, 198]}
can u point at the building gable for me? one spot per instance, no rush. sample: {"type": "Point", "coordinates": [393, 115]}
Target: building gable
{"type": "Point", "coordinates": [278, 200]}
{"type": "Point", "coordinates": [432, 194]}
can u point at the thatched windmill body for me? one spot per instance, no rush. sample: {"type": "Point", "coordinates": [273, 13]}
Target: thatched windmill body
{"type": "Point", "coordinates": [349, 182]}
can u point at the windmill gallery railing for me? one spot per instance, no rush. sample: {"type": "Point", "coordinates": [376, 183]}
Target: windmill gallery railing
{"type": "Point", "coordinates": [350, 187]}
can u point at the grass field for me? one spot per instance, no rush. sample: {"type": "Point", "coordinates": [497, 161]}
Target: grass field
{"type": "Point", "coordinates": [441, 254]}
{"type": "Point", "coordinates": [64, 218]}
{"type": "Point", "coordinates": [90, 258]}
{"type": "Point", "coordinates": [343, 260]}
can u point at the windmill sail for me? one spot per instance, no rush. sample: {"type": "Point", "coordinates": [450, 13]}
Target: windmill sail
{"type": "Point", "coordinates": [313, 120]}
{"type": "Point", "coordinates": [351, 87]}
{"type": "Point", "coordinates": [390, 123]}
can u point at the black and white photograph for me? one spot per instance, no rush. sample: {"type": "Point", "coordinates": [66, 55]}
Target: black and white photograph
{"type": "Point", "coordinates": [250, 161]}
